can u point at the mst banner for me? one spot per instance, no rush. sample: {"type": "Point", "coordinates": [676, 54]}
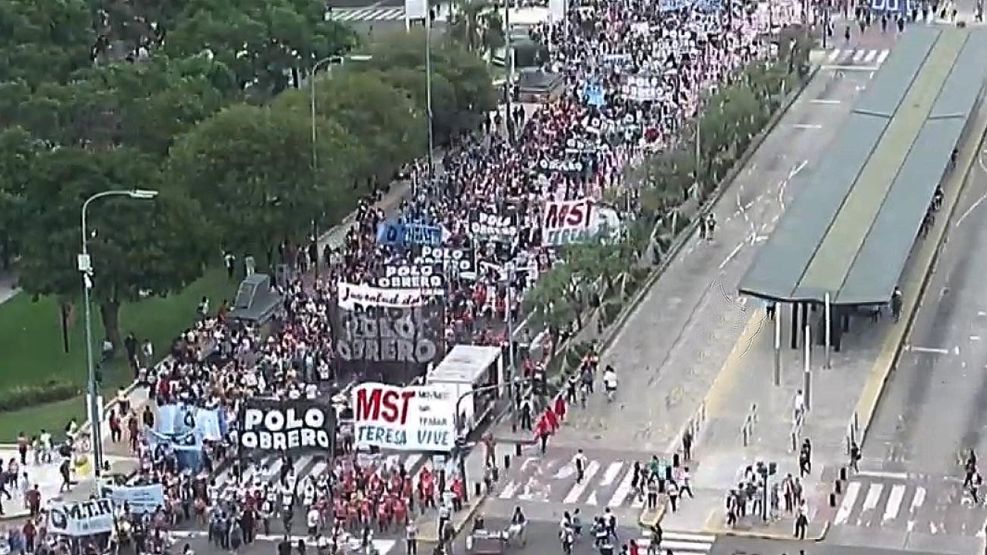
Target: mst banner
{"type": "Point", "coordinates": [417, 418]}
{"type": "Point", "coordinates": [389, 344]}
{"type": "Point", "coordinates": [294, 426]}
{"type": "Point", "coordinates": [81, 519]}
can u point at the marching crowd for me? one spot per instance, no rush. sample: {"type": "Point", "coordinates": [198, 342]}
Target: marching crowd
{"type": "Point", "coordinates": [634, 72]}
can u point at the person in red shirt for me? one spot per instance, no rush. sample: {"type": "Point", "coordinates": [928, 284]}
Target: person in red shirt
{"type": "Point", "coordinates": [560, 407]}
{"type": "Point", "coordinates": [552, 420]}
{"type": "Point", "coordinates": [542, 432]}
{"type": "Point", "coordinates": [30, 532]}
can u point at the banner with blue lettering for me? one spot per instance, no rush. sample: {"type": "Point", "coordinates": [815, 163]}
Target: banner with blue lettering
{"type": "Point", "coordinates": [139, 499]}
{"type": "Point", "coordinates": [399, 234]}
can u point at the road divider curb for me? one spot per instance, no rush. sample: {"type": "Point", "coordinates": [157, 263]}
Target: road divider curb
{"type": "Point", "coordinates": [772, 536]}
{"type": "Point", "coordinates": [649, 519]}
{"type": "Point", "coordinates": [913, 289]}
{"type": "Point", "coordinates": [427, 543]}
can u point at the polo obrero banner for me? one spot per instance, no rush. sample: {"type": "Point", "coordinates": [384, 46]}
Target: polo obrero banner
{"type": "Point", "coordinates": [294, 426]}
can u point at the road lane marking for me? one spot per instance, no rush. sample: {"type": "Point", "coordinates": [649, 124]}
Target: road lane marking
{"type": "Point", "coordinates": [894, 503]}
{"type": "Point", "coordinates": [858, 56]}
{"type": "Point", "coordinates": [972, 206]}
{"type": "Point", "coordinates": [932, 350]}
{"type": "Point", "coordinates": [611, 473]}
{"type": "Point", "coordinates": [730, 256]}
{"type": "Point", "coordinates": [873, 496]}
{"type": "Point", "coordinates": [849, 500]}
{"type": "Point", "coordinates": [580, 487]}
{"type": "Point", "coordinates": [882, 56]}
{"type": "Point", "coordinates": [622, 490]}
{"type": "Point", "coordinates": [825, 101]}
{"type": "Point", "coordinates": [807, 126]}
{"type": "Point", "coordinates": [848, 68]}
{"type": "Point", "coordinates": [833, 55]}
{"type": "Point", "coordinates": [510, 488]}
{"type": "Point", "coordinates": [882, 474]}
{"type": "Point", "coordinates": [917, 500]}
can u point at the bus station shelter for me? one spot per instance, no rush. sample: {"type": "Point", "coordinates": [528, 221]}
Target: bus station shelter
{"type": "Point", "coordinates": [843, 244]}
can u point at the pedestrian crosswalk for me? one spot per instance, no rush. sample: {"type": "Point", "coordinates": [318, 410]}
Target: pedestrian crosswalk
{"type": "Point", "coordinates": [850, 58]}
{"type": "Point", "coordinates": [382, 546]}
{"type": "Point", "coordinates": [367, 14]}
{"type": "Point", "coordinates": [607, 480]}
{"type": "Point", "coordinates": [376, 13]}
{"type": "Point", "coordinates": [910, 502]}
{"type": "Point", "coordinates": [680, 542]}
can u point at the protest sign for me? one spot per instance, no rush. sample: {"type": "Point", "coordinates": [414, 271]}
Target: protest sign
{"type": "Point", "coordinates": [349, 296]}
{"type": "Point", "coordinates": [388, 335]}
{"type": "Point", "coordinates": [84, 518]}
{"type": "Point", "coordinates": [418, 418]}
{"type": "Point", "coordinates": [427, 278]}
{"type": "Point", "coordinates": [139, 499]}
{"type": "Point", "coordinates": [398, 233]}
{"type": "Point", "coordinates": [291, 425]}
{"type": "Point", "coordinates": [456, 261]}
{"type": "Point", "coordinates": [569, 222]}
{"type": "Point", "coordinates": [494, 227]}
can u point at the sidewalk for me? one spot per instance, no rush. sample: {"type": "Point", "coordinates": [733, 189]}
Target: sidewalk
{"type": "Point", "coordinates": [428, 522]}
{"type": "Point", "coordinates": [842, 396]}
{"type": "Point", "coordinates": [8, 287]}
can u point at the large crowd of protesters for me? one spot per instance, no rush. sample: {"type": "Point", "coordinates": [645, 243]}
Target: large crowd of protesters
{"type": "Point", "coordinates": [649, 63]}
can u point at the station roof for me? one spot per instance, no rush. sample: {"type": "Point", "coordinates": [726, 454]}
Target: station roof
{"type": "Point", "coordinates": [851, 228]}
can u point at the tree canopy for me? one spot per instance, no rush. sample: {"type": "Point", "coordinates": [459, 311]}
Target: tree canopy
{"type": "Point", "coordinates": [197, 99]}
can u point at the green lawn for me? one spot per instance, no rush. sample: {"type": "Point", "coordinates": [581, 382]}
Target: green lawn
{"type": "Point", "coordinates": [32, 349]}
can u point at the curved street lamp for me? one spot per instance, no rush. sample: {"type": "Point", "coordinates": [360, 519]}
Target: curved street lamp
{"type": "Point", "coordinates": [86, 268]}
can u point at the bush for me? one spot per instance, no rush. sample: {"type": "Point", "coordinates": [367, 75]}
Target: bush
{"type": "Point", "coordinates": [18, 397]}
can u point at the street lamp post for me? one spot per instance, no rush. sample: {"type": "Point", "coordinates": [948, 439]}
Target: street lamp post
{"type": "Point", "coordinates": [86, 268]}
{"type": "Point", "coordinates": [328, 62]}
{"type": "Point", "coordinates": [428, 88]}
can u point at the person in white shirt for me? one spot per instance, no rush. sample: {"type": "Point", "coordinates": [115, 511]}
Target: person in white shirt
{"type": "Point", "coordinates": [312, 521]}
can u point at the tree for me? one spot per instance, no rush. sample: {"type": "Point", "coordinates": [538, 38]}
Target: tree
{"type": "Point", "coordinates": [255, 163]}
{"type": "Point", "coordinates": [478, 25]}
{"type": "Point", "coordinates": [266, 43]}
{"type": "Point", "coordinates": [382, 118]}
{"type": "Point", "coordinates": [470, 93]}
{"type": "Point", "coordinates": [138, 105]}
{"type": "Point", "coordinates": [17, 153]}
{"type": "Point", "coordinates": [138, 247]}
{"type": "Point", "coordinates": [44, 40]}
{"type": "Point", "coordinates": [554, 302]}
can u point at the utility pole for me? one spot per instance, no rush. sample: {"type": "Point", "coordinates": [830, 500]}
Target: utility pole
{"type": "Point", "coordinates": [509, 66]}
{"type": "Point", "coordinates": [428, 88]}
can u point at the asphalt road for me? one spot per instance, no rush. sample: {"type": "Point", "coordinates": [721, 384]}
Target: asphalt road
{"type": "Point", "coordinates": [933, 407]}
{"type": "Point", "coordinates": [748, 546]}
{"type": "Point", "coordinates": [672, 348]}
